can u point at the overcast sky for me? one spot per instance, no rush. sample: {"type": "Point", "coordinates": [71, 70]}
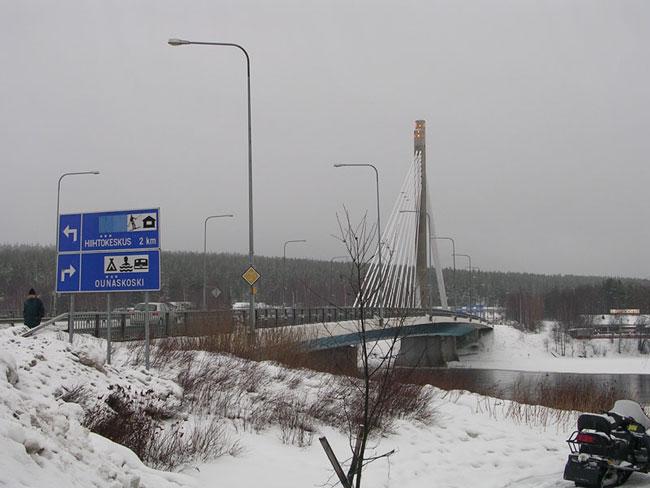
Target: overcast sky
{"type": "Point", "coordinates": [537, 122]}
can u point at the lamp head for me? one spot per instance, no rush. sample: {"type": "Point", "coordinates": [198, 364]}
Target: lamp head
{"type": "Point", "coordinates": [95, 172]}
{"type": "Point", "coordinates": [177, 42]}
{"type": "Point", "coordinates": [337, 165]}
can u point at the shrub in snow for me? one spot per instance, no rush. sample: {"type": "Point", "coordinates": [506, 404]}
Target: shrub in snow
{"type": "Point", "coordinates": [77, 393]}
{"type": "Point", "coordinates": [137, 421]}
{"type": "Point", "coordinates": [296, 423]}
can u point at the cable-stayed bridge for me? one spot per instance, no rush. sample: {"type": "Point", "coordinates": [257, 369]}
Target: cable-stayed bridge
{"type": "Point", "coordinates": [400, 277]}
{"type": "Point", "coordinates": [396, 299]}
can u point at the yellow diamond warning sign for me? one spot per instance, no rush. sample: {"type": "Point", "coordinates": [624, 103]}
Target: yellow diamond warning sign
{"type": "Point", "coordinates": [251, 276]}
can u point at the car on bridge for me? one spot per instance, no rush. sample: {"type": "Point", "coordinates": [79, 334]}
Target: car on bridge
{"type": "Point", "coordinates": [158, 311]}
{"type": "Point", "coordinates": [247, 305]}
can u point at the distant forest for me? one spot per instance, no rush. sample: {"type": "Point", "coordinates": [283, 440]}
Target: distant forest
{"type": "Point", "coordinates": [312, 283]}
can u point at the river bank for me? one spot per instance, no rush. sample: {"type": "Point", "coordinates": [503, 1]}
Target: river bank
{"type": "Point", "coordinates": [513, 350]}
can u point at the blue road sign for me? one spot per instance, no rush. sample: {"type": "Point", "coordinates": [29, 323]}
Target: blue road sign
{"type": "Point", "coordinates": [133, 270]}
{"type": "Point", "coordinates": [102, 231]}
{"type": "Point", "coordinates": [108, 271]}
{"type": "Point", "coordinates": [123, 229]}
{"type": "Point", "coordinates": [69, 233]}
{"type": "Point", "coordinates": [68, 271]}
{"type": "Point", "coordinates": [109, 251]}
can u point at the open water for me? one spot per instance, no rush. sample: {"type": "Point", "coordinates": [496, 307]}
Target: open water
{"type": "Point", "coordinates": [631, 386]}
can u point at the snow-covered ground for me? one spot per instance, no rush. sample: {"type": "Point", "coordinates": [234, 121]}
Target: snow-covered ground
{"type": "Point", "coordinates": [512, 349]}
{"type": "Point", "coordinates": [471, 441]}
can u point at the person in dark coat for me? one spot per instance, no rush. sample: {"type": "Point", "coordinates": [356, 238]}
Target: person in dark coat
{"type": "Point", "coordinates": [33, 311]}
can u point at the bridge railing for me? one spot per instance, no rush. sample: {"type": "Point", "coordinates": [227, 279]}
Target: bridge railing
{"type": "Point", "coordinates": [280, 317]}
{"type": "Point", "coordinates": [127, 326]}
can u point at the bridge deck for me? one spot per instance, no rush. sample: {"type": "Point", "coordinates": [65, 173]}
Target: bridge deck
{"type": "Point", "coordinates": [332, 335]}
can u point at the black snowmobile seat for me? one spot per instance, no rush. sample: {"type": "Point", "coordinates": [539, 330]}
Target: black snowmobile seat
{"type": "Point", "coordinates": [598, 423]}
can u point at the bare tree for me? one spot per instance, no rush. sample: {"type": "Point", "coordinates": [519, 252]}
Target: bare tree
{"type": "Point", "coordinates": [379, 393]}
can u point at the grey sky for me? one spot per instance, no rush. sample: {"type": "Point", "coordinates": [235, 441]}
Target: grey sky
{"type": "Point", "coordinates": [537, 122]}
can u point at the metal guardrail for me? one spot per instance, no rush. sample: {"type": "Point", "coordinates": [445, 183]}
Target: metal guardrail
{"type": "Point", "coordinates": [11, 314]}
{"type": "Point", "coordinates": [42, 325]}
{"type": "Point", "coordinates": [125, 326]}
{"type": "Point", "coordinates": [610, 332]}
{"type": "Point", "coordinates": [17, 320]}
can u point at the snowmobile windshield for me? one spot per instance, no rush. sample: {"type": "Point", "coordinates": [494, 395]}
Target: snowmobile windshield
{"type": "Point", "coordinates": [629, 408]}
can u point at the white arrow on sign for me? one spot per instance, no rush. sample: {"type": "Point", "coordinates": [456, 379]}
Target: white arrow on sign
{"type": "Point", "coordinates": [67, 231]}
{"type": "Point", "coordinates": [70, 271]}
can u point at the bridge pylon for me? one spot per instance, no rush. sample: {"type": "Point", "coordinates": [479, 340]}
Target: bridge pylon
{"type": "Point", "coordinates": [408, 249]}
{"type": "Point", "coordinates": [426, 230]}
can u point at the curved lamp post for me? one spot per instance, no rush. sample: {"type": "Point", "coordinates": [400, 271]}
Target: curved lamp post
{"type": "Point", "coordinates": [284, 267]}
{"type": "Point", "coordinates": [251, 252]}
{"type": "Point", "coordinates": [470, 275]}
{"type": "Point", "coordinates": [58, 198]}
{"type": "Point", "coordinates": [332, 295]}
{"type": "Point", "coordinates": [381, 280]}
{"type": "Point", "coordinates": [453, 257]}
{"type": "Point", "coordinates": [205, 254]}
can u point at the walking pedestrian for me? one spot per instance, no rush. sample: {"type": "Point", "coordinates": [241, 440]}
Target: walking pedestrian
{"type": "Point", "coordinates": [33, 310]}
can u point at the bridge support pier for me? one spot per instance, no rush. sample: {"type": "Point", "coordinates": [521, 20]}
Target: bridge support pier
{"type": "Point", "coordinates": [468, 339]}
{"type": "Point", "coordinates": [427, 351]}
{"type": "Point", "coordinates": [338, 360]}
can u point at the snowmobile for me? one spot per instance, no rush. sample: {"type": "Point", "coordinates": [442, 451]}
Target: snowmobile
{"type": "Point", "coordinates": [607, 448]}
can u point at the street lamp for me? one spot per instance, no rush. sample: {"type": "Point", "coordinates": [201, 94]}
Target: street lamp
{"type": "Point", "coordinates": [332, 294]}
{"type": "Point", "coordinates": [284, 268]}
{"type": "Point", "coordinates": [381, 281]}
{"type": "Point", "coordinates": [251, 252]}
{"type": "Point", "coordinates": [471, 281]}
{"type": "Point", "coordinates": [470, 275]}
{"type": "Point", "coordinates": [205, 254]}
{"type": "Point", "coordinates": [58, 199]}
{"type": "Point", "coordinates": [430, 258]}
{"type": "Point", "coordinates": [453, 256]}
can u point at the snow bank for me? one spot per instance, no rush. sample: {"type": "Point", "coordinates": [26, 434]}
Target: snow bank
{"type": "Point", "coordinates": [90, 355]}
{"type": "Point", "coordinates": [473, 441]}
{"type": "Point", "coordinates": [8, 370]}
{"type": "Point", "coordinates": [43, 441]}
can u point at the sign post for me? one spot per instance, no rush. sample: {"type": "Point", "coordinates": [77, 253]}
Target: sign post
{"type": "Point", "coordinates": [251, 276]}
{"type": "Point", "coordinates": [71, 319]}
{"type": "Point", "coordinates": [109, 252]}
{"type": "Point", "coordinates": [146, 330]}
{"type": "Point", "coordinates": [108, 327]}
